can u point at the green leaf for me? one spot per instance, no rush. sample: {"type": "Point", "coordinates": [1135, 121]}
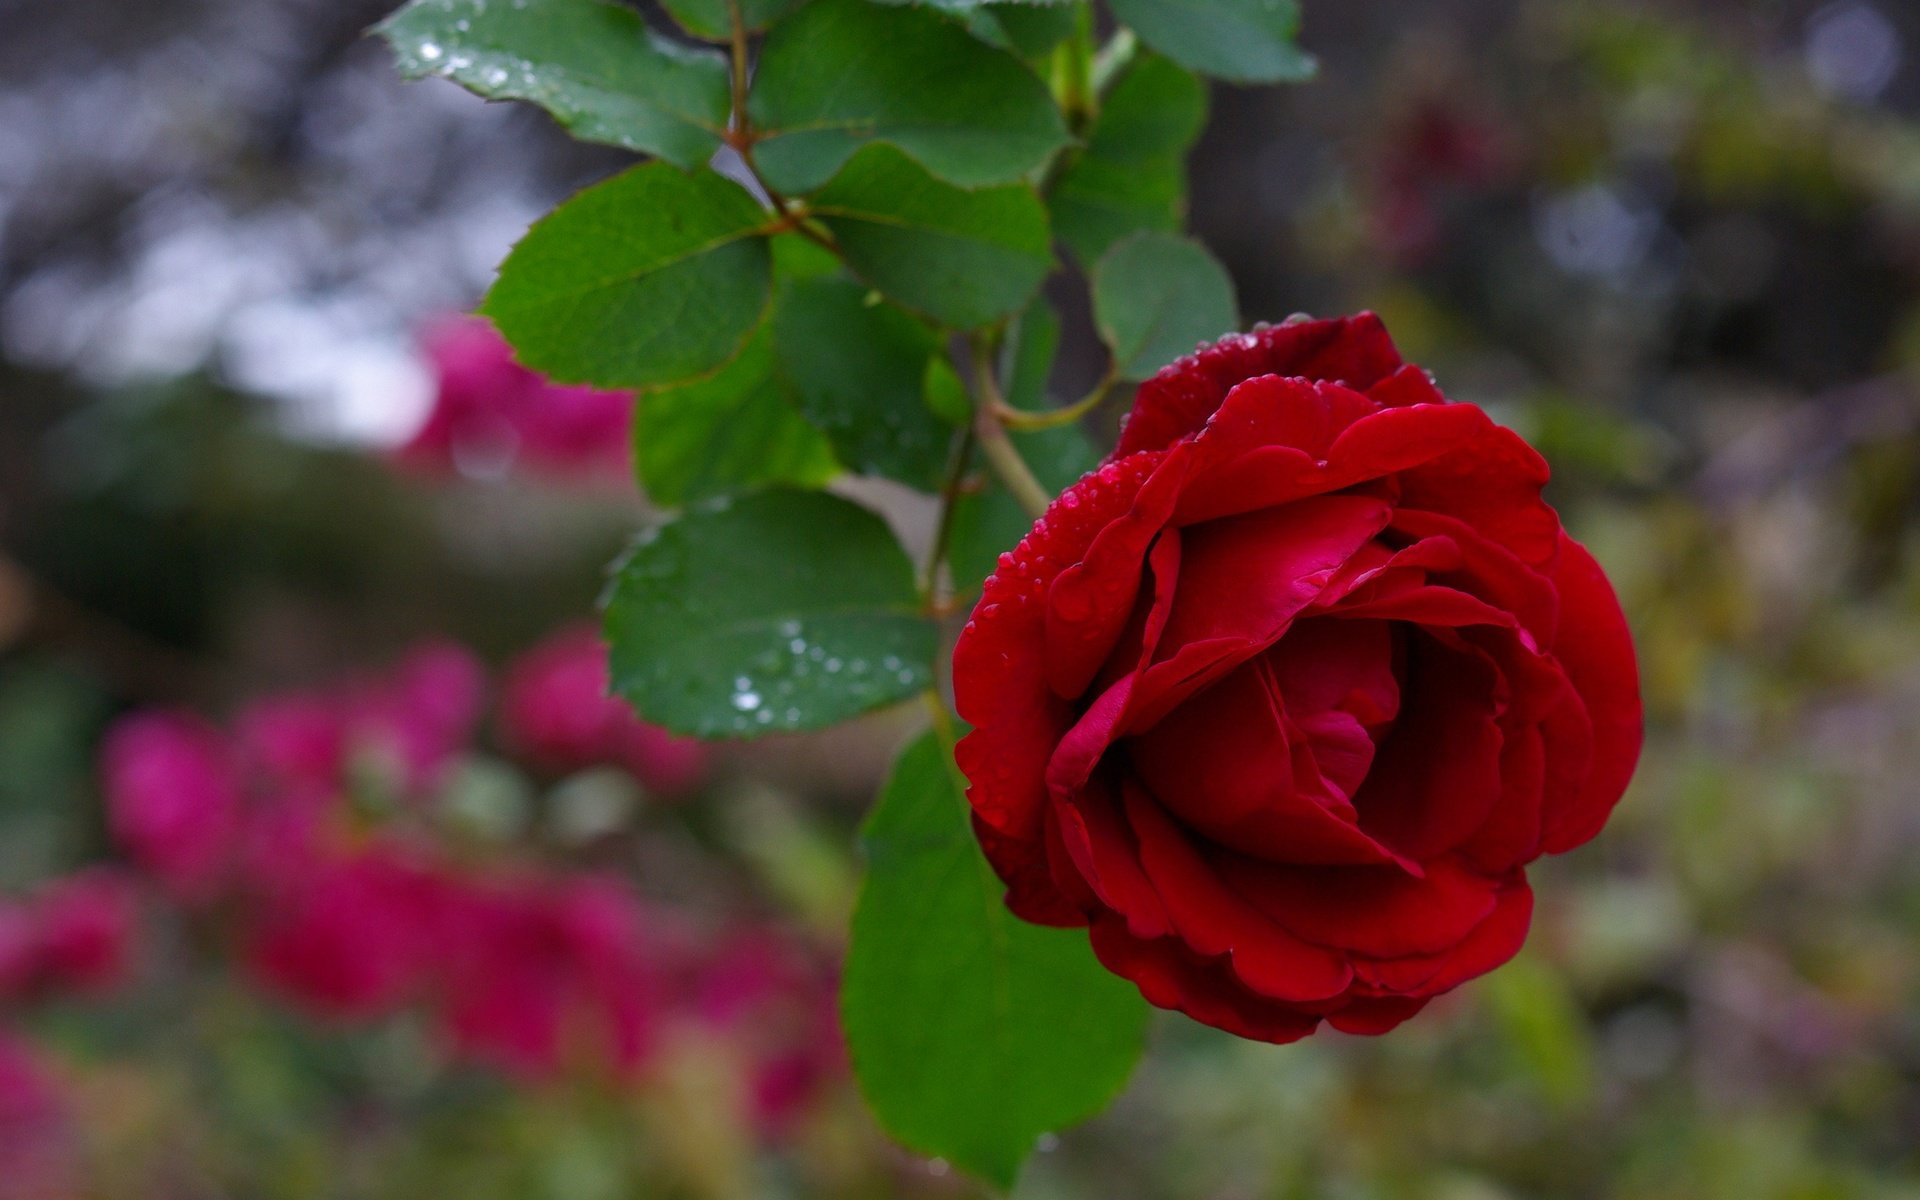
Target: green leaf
{"type": "Point", "coordinates": [1028, 29]}
{"type": "Point", "coordinates": [1132, 175]}
{"type": "Point", "coordinates": [1247, 41]}
{"type": "Point", "coordinates": [839, 74]}
{"type": "Point", "coordinates": [858, 372]}
{"type": "Point", "coordinates": [713, 19]}
{"type": "Point", "coordinates": [794, 257]}
{"type": "Point", "coordinates": [654, 276]}
{"type": "Point", "coordinates": [951, 6]}
{"type": "Point", "coordinates": [946, 392]}
{"type": "Point", "coordinates": [776, 611]}
{"type": "Point", "coordinates": [962, 257]}
{"type": "Point", "coordinates": [971, 1032]}
{"type": "Point", "coordinates": [736, 429]}
{"type": "Point", "coordinates": [1155, 297]}
{"type": "Point", "coordinates": [596, 67]}
{"type": "Point", "coordinates": [1026, 356]}
{"type": "Point", "coordinates": [990, 522]}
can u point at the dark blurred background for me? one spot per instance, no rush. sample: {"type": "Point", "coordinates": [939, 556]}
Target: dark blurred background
{"type": "Point", "coordinates": [1677, 245]}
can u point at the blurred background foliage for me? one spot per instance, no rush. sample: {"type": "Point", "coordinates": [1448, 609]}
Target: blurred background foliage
{"type": "Point", "coordinates": [1677, 245]}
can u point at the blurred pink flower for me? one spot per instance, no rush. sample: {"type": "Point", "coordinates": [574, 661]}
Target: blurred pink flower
{"type": "Point", "coordinates": [413, 720]}
{"type": "Point", "coordinates": [490, 414]}
{"type": "Point", "coordinates": [424, 712]}
{"type": "Point", "coordinates": [354, 937]}
{"type": "Point", "coordinates": [173, 800]}
{"type": "Point", "coordinates": [38, 1146]}
{"type": "Point", "coordinates": [764, 990]}
{"type": "Point", "coordinates": [19, 949]}
{"type": "Point", "coordinates": [294, 738]}
{"type": "Point", "coordinates": [86, 931]}
{"type": "Point", "coordinates": [551, 974]}
{"type": "Point", "coordinates": [75, 937]}
{"type": "Point", "coordinates": [285, 838]}
{"type": "Point", "coordinates": [556, 712]}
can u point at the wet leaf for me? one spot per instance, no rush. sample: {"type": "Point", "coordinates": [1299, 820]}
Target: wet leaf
{"type": "Point", "coordinates": [962, 257]}
{"type": "Point", "coordinates": [777, 611]}
{"type": "Point", "coordinates": [972, 1032]}
{"type": "Point", "coordinates": [652, 277]}
{"type": "Point", "coordinates": [1155, 296]}
{"type": "Point", "coordinates": [912, 77]}
{"type": "Point", "coordinates": [596, 67]}
{"type": "Point", "coordinates": [1247, 41]}
{"type": "Point", "coordinates": [858, 373]}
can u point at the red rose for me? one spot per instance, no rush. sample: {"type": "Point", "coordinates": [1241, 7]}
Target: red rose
{"type": "Point", "coordinates": [1283, 698]}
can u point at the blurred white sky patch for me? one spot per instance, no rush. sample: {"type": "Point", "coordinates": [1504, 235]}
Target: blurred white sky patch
{"type": "Point", "coordinates": [1852, 50]}
{"type": "Point", "coordinates": [304, 282]}
{"type": "Point", "coordinates": [1598, 230]}
{"type": "Point", "coordinates": [271, 304]}
{"type": "Point", "coordinates": [337, 383]}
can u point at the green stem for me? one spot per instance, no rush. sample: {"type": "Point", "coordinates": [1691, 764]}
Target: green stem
{"type": "Point", "coordinates": [741, 137]}
{"type": "Point", "coordinates": [995, 445]}
{"type": "Point", "coordinates": [1073, 73]}
{"type": "Point", "coordinates": [959, 457]}
{"type": "Point", "coordinates": [1027, 421]}
{"type": "Point", "coordinates": [737, 76]}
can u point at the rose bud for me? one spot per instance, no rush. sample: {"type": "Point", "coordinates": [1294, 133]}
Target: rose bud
{"type": "Point", "coordinates": [1281, 700]}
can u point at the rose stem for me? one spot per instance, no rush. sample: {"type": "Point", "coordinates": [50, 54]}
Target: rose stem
{"type": "Point", "coordinates": [995, 444]}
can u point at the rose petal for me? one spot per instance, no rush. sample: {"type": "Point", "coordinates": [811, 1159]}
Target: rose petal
{"type": "Point", "coordinates": [1492, 483]}
{"type": "Point", "coordinates": [1349, 666]}
{"type": "Point", "coordinates": [1510, 836]}
{"type": "Point", "coordinates": [1176, 402]}
{"type": "Point", "coordinates": [1437, 775]}
{"type": "Point", "coordinates": [1246, 578]}
{"type": "Point", "coordinates": [1102, 847]}
{"type": "Point", "coordinates": [1216, 922]}
{"type": "Point", "coordinates": [1494, 940]}
{"type": "Point", "coordinates": [1033, 891]}
{"type": "Point", "coordinates": [1408, 385]}
{"type": "Point", "coordinates": [1170, 976]}
{"type": "Point", "coordinates": [1090, 601]}
{"type": "Point", "coordinates": [1490, 571]}
{"type": "Point", "coordinates": [1240, 470]}
{"type": "Point", "coordinates": [1596, 649]}
{"type": "Point", "coordinates": [1381, 912]}
{"type": "Point", "coordinates": [1225, 763]}
{"type": "Point", "coordinates": [999, 677]}
{"type": "Point", "coordinates": [1374, 1015]}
